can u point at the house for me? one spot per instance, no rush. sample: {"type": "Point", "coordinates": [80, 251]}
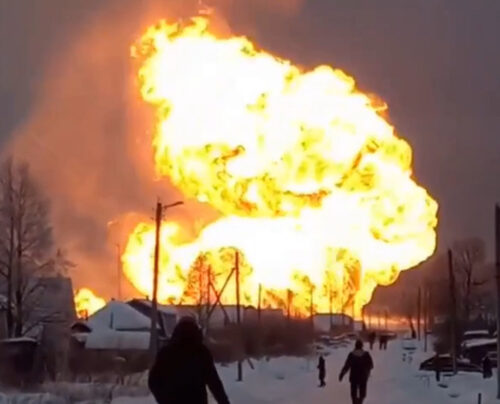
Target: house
{"type": "Point", "coordinates": [168, 315]}
{"type": "Point", "coordinates": [118, 316]}
{"type": "Point", "coordinates": [326, 322]}
{"type": "Point", "coordinates": [47, 306]}
{"type": "Point", "coordinates": [251, 315]}
{"type": "Point", "coordinates": [117, 326]}
{"type": "Point", "coordinates": [116, 335]}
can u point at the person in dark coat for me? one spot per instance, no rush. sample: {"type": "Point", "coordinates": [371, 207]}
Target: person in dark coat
{"type": "Point", "coordinates": [321, 371]}
{"type": "Point", "coordinates": [359, 364]}
{"type": "Point", "coordinates": [383, 338]}
{"type": "Point", "coordinates": [371, 339]}
{"type": "Point", "coordinates": [487, 367]}
{"type": "Point", "coordinates": [381, 341]}
{"type": "Point", "coordinates": [184, 368]}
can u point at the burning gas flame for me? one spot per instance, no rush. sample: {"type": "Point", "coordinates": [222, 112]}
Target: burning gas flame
{"type": "Point", "coordinates": [87, 303]}
{"type": "Point", "coordinates": [314, 187]}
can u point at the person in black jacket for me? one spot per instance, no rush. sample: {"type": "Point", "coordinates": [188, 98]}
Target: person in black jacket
{"type": "Point", "coordinates": [321, 371]}
{"type": "Point", "coordinates": [359, 363]}
{"type": "Point", "coordinates": [372, 336]}
{"type": "Point", "coordinates": [487, 367]}
{"type": "Point", "coordinates": [184, 368]}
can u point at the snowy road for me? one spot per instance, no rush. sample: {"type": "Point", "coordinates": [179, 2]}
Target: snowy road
{"type": "Point", "coordinates": [294, 381]}
{"type": "Point", "coordinates": [393, 382]}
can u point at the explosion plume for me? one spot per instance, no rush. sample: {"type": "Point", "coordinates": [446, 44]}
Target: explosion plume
{"type": "Point", "coordinates": [87, 303]}
{"type": "Point", "coordinates": [313, 185]}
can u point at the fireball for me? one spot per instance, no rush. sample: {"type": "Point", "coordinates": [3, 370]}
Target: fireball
{"type": "Point", "coordinates": [314, 187]}
{"type": "Point", "coordinates": [87, 303]}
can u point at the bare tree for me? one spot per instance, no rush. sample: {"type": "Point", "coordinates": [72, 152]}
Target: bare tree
{"type": "Point", "coordinates": [468, 254]}
{"type": "Point", "coordinates": [26, 245]}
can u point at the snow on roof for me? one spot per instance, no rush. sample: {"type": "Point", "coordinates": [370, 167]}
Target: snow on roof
{"type": "Point", "coordinates": [479, 342]}
{"type": "Point", "coordinates": [164, 308]}
{"type": "Point", "coordinates": [476, 332]}
{"type": "Point", "coordinates": [118, 316]}
{"type": "Point", "coordinates": [117, 340]}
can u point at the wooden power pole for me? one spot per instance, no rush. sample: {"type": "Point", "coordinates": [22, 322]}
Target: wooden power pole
{"type": "Point", "coordinates": [453, 297]}
{"type": "Point", "coordinates": [238, 316]}
{"type": "Point", "coordinates": [497, 273]}
{"type": "Point", "coordinates": [153, 341]}
{"type": "Point", "coordinates": [426, 316]}
{"type": "Point", "coordinates": [330, 314]}
{"type": "Point", "coordinates": [119, 271]}
{"type": "Point", "coordinates": [209, 283]}
{"type": "Point", "coordinates": [289, 306]}
{"type": "Point", "coordinates": [419, 312]}
{"type": "Point", "coordinates": [259, 308]}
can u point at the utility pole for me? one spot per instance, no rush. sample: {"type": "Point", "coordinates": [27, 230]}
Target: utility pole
{"type": "Point", "coordinates": [453, 312]}
{"type": "Point", "coordinates": [119, 271]}
{"type": "Point", "coordinates": [386, 315]}
{"type": "Point", "coordinates": [342, 311]}
{"type": "Point", "coordinates": [426, 313]}
{"type": "Point", "coordinates": [209, 280]}
{"type": "Point", "coordinates": [497, 270]}
{"type": "Point", "coordinates": [259, 303]}
{"type": "Point", "coordinates": [330, 307]}
{"type": "Point", "coordinates": [289, 308]}
{"type": "Point", "coordinates": [419, 312]}
{"type": "Point", "coordinates": [311, 309]}
{"type": "Point", "coordinates": [238, 317]}
{"type": "Point", "coordinates": [153, 342]}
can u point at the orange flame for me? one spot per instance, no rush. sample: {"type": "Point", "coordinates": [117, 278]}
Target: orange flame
{"type": "Point", "coordinates": [314, 187]}
{"type": "Point", "coordinates": [87, 303]}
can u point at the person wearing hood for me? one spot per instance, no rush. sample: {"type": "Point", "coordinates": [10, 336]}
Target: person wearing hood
{"type": "Point", "coordinates": [359, 364]}
{"type": "Point", "coordinates": [184, 368]}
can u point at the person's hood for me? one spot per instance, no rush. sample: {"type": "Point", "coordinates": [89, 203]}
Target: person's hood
{"type": "Point", "coordinates": [358, 352]}
{"type": "Point", "coordinates": [187, 333]}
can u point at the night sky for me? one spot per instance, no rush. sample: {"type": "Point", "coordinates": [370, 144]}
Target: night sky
{"type": "Point", "coordinates": [435, 62]}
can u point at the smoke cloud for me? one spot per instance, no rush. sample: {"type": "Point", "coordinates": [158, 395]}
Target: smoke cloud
{"type": "Point", "coordinates": [88, 135]}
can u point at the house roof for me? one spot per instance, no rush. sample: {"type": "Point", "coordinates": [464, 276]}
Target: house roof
{"type": "Point", "coordinates": [167, 309]}
{"type": "Point", "coordinates": [118, 316]}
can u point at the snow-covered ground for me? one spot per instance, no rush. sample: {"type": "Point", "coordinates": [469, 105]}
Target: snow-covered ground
{"type": "Point", "coordinates": [393, 381]}
{"type": "Point", "coordinates": [291, 380]}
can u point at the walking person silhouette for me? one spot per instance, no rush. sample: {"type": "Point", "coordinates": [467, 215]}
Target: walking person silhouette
{"type": "Point", "coordinates": [184, 368]}
{"type": "Point", "coordinates": [359, 364]}
{"type": "Point", "coordinates": [321, 371]}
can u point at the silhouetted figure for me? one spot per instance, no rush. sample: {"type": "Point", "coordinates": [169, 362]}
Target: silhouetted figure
{"type": "Point", "coordinates": [184, 368]}
{"type": "Point", "coordinates": [383, 338]}
{"type": "Point", "coordinates": [359, 363]}
{"type": "Point", "coordinates": [487, 367]}
{"type": "Point", "coordinates": [321, 371]}
{"type": "Point", "coordinates": [413, 333]}
{"type": "Point", "coordinates": [371, 339]}
{"type": "Point", "coordinates": [437, 367]}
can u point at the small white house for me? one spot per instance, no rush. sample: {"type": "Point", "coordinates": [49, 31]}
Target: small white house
{"type": "Point", "coordinates": [117, 326]}
{"type": "Point", "coordinates": [323, 322]}
{"type": "Point", "coordinates": [119, 316]}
